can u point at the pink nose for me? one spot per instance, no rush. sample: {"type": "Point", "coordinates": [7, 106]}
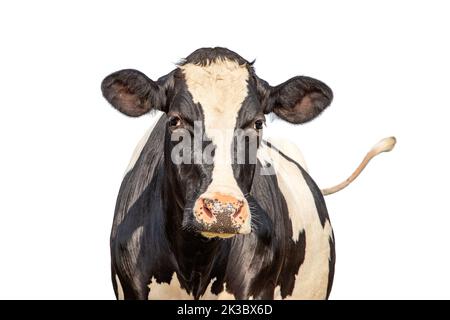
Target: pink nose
{"type": "Point", "coordinates": [221, 214]}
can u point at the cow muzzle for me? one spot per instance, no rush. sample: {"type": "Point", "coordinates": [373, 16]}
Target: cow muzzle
{"type": "Point", "coordinates": [221, 215]}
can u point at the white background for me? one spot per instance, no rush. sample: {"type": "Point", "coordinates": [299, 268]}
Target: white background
{"type": "Point", "coordinates": [64, 149]}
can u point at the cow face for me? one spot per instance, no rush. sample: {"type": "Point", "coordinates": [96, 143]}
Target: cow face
{"type": "Point", "coordinates": [215, 106]}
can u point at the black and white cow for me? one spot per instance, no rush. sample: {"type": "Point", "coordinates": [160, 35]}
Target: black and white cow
{"type": "Point", "coordinates": [222, 229]}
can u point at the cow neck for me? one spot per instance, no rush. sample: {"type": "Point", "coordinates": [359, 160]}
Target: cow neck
{"type": "Point", "coordinates": [194, 255]}
{"type": "Point", "coordinates": [195, 258]}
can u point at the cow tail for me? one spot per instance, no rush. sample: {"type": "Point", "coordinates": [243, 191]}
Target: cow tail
{"type": "Point", "coordinates": [385, 145]}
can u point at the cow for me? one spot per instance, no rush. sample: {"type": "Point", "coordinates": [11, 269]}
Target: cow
{"type": "Point", "coordinates": [219, 229]}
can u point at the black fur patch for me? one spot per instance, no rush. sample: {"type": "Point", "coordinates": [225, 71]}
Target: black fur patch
{"type": "Point", "coordinates": [331, 265]}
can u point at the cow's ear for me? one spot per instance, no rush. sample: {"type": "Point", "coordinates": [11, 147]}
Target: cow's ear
{"type": "Point", "coordinates": [132, 92]}
{"type": "Point", "coordinates": [299, 99]}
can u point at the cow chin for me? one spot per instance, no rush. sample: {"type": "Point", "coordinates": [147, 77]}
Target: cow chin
{"type": "Point", "coordinates": [212, 232]}
{"type": "Point", "coordinates": [210, 235]}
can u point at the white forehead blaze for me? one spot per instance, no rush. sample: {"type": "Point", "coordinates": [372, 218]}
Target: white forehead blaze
{"type": "Point", "coordinates": [221, 88]}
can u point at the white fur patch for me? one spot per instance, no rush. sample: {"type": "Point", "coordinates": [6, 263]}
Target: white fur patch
{"type": "Point", "coordinates": [312, 278]}
{"type": "Point", "coordinates": [220, 88]}
{"type": "Point", "coordinates": [168, 291]}
{"type": "Point", "coordinates": [120, 295]}
{"type": "Point", "coordinates": [173, 291]}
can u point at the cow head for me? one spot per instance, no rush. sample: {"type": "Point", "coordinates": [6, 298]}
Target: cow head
{"type": "Point", "coordinates": [215, 106]}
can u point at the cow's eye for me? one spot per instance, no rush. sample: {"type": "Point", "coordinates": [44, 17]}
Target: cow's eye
{"type": "Point", "coordinates": [174, 121]}
{"type": "Point", "coordinates": [259, 124]}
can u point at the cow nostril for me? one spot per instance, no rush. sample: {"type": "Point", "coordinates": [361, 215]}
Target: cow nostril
{"type": "Point", "coordinates": [239, 208]}
{"type": "Point", "coordinates": [206, 208]}
{"type": "Point", "coordinates": [238, 212]}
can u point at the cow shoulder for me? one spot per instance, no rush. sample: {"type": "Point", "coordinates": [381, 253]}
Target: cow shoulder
{"type": "Point", "coordinates": [309, 276]}
{"type": "Point", "coordinates": [138, 209]}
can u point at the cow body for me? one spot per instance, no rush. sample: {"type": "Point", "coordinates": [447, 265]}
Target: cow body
{"type": "Point", "coordinates": [149, 261]}
{"type": "Point", "coordinates": [208, 208]}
